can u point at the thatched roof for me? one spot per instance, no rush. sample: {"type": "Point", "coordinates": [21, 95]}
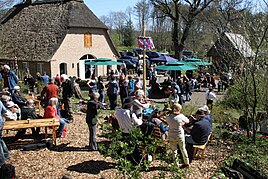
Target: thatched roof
{"type": "Point", "coordinates": [230, 43]}
{"type": "Point", "coordinates": [35, 30]}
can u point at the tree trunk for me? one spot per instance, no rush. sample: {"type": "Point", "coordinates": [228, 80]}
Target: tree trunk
{"type": "Point", "coordinates": [175, 39]}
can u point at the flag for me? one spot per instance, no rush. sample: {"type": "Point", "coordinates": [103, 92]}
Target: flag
{"type": "Point", "coordinates": [145, 43]}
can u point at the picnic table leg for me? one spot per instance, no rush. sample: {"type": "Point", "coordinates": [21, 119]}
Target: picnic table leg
{"type": "Point", "coordinates": [54, 137]}
{"type": "Point", "coordinates": [45, 132]}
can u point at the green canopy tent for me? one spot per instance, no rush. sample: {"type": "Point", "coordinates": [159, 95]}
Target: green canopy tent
{"type": "Point", "coordinates": [198, 63]}
{"type": "Point", "coordinates": [175, 66]}
{"type": "Point", "coordinates": [193, 60]}
{"type": "Point", "coordinates": [103, 61]}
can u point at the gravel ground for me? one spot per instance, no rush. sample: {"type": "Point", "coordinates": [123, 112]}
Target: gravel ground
{"type": "Point", "coordinates": [71, 157]}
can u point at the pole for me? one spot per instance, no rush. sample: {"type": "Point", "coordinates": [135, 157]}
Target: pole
{"type": "Point", "coordinates": [144, 59]}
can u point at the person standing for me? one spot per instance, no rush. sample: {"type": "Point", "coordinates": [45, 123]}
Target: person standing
{"type": "Point", "coordinates": [100, 86]}
{"type": "Point", "coordinates": [176, 134]}
{"type": "Point", "coordinates": [210, 96]}
{"type": "Point", "coordinates": [130, 86]}
{"type": "Point", "coordinates": [92, 119]}
{"type": "Point", "coordinates": [92, 84]}
{"type": "Point", "coordinates": [4, 153]}
{"type": "Point", "coordinates": [112, 92]}
{"type": "Point", "coordinates": [67, 93]}
{"type": "Point", "coordinates": [10, 78]}
{"type": "Point", "coordinates": [49, 91]}
{"type": "Point", "coordinates": [123, 88]}
{"type": "Point", "coordinates": [45, 78]}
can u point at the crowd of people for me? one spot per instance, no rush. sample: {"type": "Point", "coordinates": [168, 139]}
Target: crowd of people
{"type": "Point", "coordinates": [60, 89]}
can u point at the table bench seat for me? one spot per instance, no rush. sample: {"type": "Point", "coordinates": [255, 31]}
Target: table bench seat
{"type": "Point", "coordinates": [25, 124]}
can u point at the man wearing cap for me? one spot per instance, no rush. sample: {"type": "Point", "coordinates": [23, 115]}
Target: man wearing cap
{"type": "Point", "coordinates": [126, 119]}
{"type": "Point", "coordinates": [208, 116]}
{"type": "Point", "coordinates": [200, 131]}
{"type": "Point", "coordinates": [13, 112]}
{"type": "Point", "coordinates": [67, 93]}
{"type": "Point", "coordinates": [17, 98]}
{"type": "Point", "coordinates": [10, 78]}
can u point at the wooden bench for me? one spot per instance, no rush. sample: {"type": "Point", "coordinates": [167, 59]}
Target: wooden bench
{"type": "Point", "coordinates": [25, 124]}
{"type": "Point", "coordinates": [200, 147]}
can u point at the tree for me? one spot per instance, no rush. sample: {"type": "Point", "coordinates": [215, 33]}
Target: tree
{"type": "Point", "coordinates": [174, 9]}
{"type": "Point", "coordinates": [142, 12]}
{"type": "Point", "coordinates": [129, 33]}
{"type": "Point", "coordinates": [248, 92]}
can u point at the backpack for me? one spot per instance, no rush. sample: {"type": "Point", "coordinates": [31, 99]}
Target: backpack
{"type": "Point", "coordinates": [7, 171]}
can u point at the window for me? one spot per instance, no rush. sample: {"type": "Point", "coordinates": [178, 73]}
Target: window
{"type": "Point", "coordinates": [25, 66]}
{"type": "Point", "coordinates": [72, 65]}
{"type": "Point", "coordinates": [87, 40]}
{"type": "Point", "coordinates": [41, 68]}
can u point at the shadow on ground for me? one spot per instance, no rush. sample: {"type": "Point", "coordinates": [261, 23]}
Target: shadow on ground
{"type": "Point", "coordinates": [91, 167]}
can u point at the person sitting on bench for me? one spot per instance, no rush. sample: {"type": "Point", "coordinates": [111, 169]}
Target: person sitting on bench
{"type": "Point", "coordinates": [13, 112]}
{"type": "Point", "coordinates": [28, 112]}
{"type": "Point", "coordinates": [51, 112]}
{"type": "Point", "coordinates": [200, 131]}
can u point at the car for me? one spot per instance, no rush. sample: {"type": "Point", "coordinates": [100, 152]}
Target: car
{"type": "Point", "coordinates": [132, 59]}
{"type": "Point", "coordinates": [152, 54]}
{"type": "Point", "coordinates": [129, 64]}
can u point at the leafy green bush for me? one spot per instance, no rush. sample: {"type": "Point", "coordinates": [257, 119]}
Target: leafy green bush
{"type": "Point", "coordinates": [255, 155]}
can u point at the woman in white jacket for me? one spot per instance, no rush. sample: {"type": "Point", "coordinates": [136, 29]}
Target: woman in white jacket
{"type": "Point", "coordinates": [176, 134]}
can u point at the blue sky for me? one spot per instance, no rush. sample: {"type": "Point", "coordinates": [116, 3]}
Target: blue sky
{"type": "Point", "coordinates": [103, 7]}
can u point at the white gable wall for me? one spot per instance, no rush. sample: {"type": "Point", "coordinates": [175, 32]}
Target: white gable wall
{"type": "Point", "coordinates": [72, 49]}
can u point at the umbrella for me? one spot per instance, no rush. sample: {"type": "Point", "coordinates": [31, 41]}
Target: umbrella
{"type": "Point", "coordinates": [198, 63]}
{"type": "Point", "coordinates": [103, 61]}
{"type": "Point", "coordinates": [164, 58]}
{"type": "Point", "coordinates": [176, 66]}
{"type": "Point", "coordinates": [193, 60]}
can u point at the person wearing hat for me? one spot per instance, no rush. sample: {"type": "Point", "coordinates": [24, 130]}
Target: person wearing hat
{"type": "Point", "coordinates": [13, 112]}
{"type": "Point", "coordinates": [5, 99]}
{"type": "Point", "coordinates": [156, 119]}
{"type": "Point", "coordinates": [17, 98]}
{"type": "Point", "coordinates": [208, 116]}
{"type": "Point", "coordinates": [176, 134]}
{"type": "Point", "coordinates": [126, 119]}
{"type": "Point", "coordinates": [10, 78]}
{"type": "Point", "coordinates": [92, 119]}
{"type": "Point", "coordinates": [200, 131]}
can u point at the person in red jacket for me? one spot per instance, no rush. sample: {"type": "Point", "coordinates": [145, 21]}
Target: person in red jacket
{"type": "Point", "coordinates": [49, 91]}
{"type": "Point", "coordinates": [51, 112]}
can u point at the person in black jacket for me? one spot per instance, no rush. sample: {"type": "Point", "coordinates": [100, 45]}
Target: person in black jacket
{"type": "Point", "coordinates": [67, 93]}
{"type": "Point", "coordinates": [92, 119]}
{"type": "Point", "coordinates": [200, 131]}
{"type": "Point", "coordinates": [17, 98]}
